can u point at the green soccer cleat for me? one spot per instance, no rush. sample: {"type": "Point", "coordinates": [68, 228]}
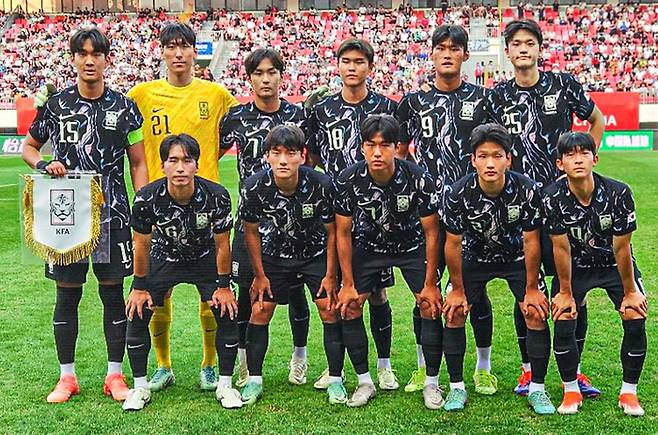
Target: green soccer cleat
{"type": "Point", "coordinates": [417, 381]}
{"type": "Point", "coordinates": [456, 400]}
{"type": "Point", "coordinates": [337, 393]}
{"type": "Point", "coordinates": [161, 379]}
{"type": "Point", "coordinates": [208, 379]}
{"type": "Point", "coordinates": [251, 392]}
{"type": "Point", "coordinates": [541, 403]}
{"type": "Point", "coordinates": [485, 382]}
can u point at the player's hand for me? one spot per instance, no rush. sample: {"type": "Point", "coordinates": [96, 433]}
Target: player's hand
{"type": "Point", "coordinates": [56, 169]}
{"type": "Point", "coordinates": [563, 303]}
{"type": "Point", "coordinates": [315, 96]}
{"type": "Point", "coordinates": [42, 95]}
{"type": "Point", "coordinates": [328, 285]}
{"type": "Point", "coordinates": [346, 297]}
{"type": "Point", "coordinates": [634, 301]}
{"type": "Point", "coordinates": [259, 286]}
{"type": "Point", "coordinates": [430, 298]}
{"type": "Point", "coordinates": [224, 299]}
{"type": "Point", "coordinates": [136, 301]}
{"type": "Point", "coordinates": [454, 301]}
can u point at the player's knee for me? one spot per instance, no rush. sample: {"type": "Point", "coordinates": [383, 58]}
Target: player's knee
{"type": "Point", "coordinates": [425, 311]}
{"type": "Point", "coordinates": [262, 315]}
{"type": "Point", "coordinates": [137, 332]}
{"type": "Point", "coordinates": [631, 314]}
{"type": "Point", "coordinates": [64, 284]}
{"type": "Point", "coordinates": [533, 320]}
{"type": "Point", "coordinates": [111, 282]}
{"type": "Point", "coordinates": [458, 319]}
{"type": "Point", "coordinates": [354, 311]}
{"type": "Point", "coordinates": [378, 297]}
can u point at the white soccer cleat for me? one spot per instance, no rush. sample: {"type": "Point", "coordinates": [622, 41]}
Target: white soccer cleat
{"type": "Point", "coordinates": [387, 379]}
{"type": "Point", "coordinates": [362, 395]}
{"type": "Point", "coordinates": [228, 397]}
{"type": "Point", "coordinates": [432, 397]}
{"type": "Point", "coordinates": [298, 368]}
{"type": "Point", "coordinates": [137, 399]}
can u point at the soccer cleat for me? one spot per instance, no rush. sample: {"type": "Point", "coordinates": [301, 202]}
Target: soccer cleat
{"type": "Point", "coordinates": [66, 387]}
{"type": "Point", "coordinates": [387, 379]}
{"type": "Point", "coordinates": [228, 397]}
{"type": "Point", "coordinates": [523, 383]}
{"type": "Point", "coordinates": [432, 397]}
{"type": "Point", "coordinates": [322, 383]}
{"type": "Point", "coordinates": [115, 386]}
{"type": "Point", "coordinates": [362, 395]}
{"type": "Point", "coordinates": [243, 375]}
{"type": "Point", "coordinates": [541, 403]}
{"type": "Point", "coordinates": [137, 399]}
{"type": "Point", "coordinates": [161, 379]}
{"type": "Point", "coordinates": [337, 393]}
{"type": "Point", "coordinates": [485, 382]}
{"type": "Point", "coordinates": [571, 402]}
{"type": "Point", "coordinates": [251, 392]}
{"type": "Point", "coordinates": [298, 368]}
{"type": "Point", "coordinates": [455, 400]}
{"type": "Point", "coordinates": [208, 379]}
{"type": "Point", "coordinates": [630, 404]}
{"type": "Point", "coordinates": [417, 380]}
{"type": "Point", "coordinates": [586, 388]}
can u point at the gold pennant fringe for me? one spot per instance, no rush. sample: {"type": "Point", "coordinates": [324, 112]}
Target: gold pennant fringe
{"type": "Point", "coordinates": [76, 253]}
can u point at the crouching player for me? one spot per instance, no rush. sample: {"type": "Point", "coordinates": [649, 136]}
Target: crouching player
{"type": "Point", "coordinates": [493, 221]}
{"type": "Point", "coordinates": [181, 229]}
{"type": "Point", "coordinates": [288, 216]}
{"type": "Point", "coordinates": [591, 219]}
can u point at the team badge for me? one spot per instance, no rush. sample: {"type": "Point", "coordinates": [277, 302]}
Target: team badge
{"type": "Point", "coordinates": [513, 213]}
{"type": "Point", "coordinates": [111, 120]}
{"type": "Point", "coordinates": [468, 111]}
{"type": "Point", "coordinates": [631, 218]}
{"type": "Point", "coordinates": [201, 220]}
{"type": "Point", "coordinates": [235, 269]}
{"type": "Point", "coordinates": [403, 203]}
{"type": "Point", "coordinates": [550, 104]}
{"type": "Point", "coordinates": [307, 211]}
{"type": "Point", "coordinates": [204, 110]}
{"type": "Point", "coordinates": [62, 207]}
{"type": "Point", "coordinates": [606, 221]}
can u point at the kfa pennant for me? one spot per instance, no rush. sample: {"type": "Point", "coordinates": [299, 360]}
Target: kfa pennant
{"type": "Point", "coordinates": [62, 216]}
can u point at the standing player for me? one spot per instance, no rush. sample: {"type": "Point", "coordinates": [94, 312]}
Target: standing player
{"type": "Point", "coordinates": [438, 122]}
{"type": "Point", "coordinates": [289, 224]}
{"type": "Point", "coordinates": [245, 127]}
{"type": "Point", "coordinates": [492, 219]}
{"type": "Point", "coordinates": [537, 107]}
{"type": "Point", "coordinates": [182, 226]}
{"type": "Point", "coordinates": [178, 104]}
{"type": "Point", "coordinates": [92, 128]}
{"type": "Point", "coordinates": [591, 220]}
{"type": "Point", "coordinates": [386, 215]}
{"type": "Point", "coordinates": [335, 144]}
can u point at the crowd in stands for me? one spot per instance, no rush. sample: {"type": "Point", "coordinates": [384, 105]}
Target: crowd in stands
{"type": "Point", "coordinates": [609, 48]}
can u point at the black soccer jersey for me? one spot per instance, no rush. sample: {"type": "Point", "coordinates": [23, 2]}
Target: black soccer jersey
{"type": "Point", "coordinates": [92, 135]}
{"type": "Point", "coordinates": [492, 227]}
{"type": "Point", "coordinates": [290, 226]}
{"type": "Point", "coordinates": [336, 129]}
{"type": "Point", "coordinates": [386, 219]}
{"type": "Point", "coordinates": [439, 125]}
{"type": "Point", "coordinates": [536, 117]}
{"type": "Point", "coordinates": [182, 232]}
{"type": "Point", "coordinates": [246, 126]}
{"type": "Point", "coordinates": [590, 229]}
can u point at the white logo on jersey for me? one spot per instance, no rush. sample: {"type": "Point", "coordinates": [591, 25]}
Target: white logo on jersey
{"type": "Point", "coordinates": [550, 104]}
{"type": "Point", "coordinates": [307, 211]}
{"type": "Point", "coordinates": [606, 221]}
{"type": "Point", "coordinates": [111, 120]}
{"type": "Point", "coordinates": [201, 220]}
{"type": "Point", "coordinates": [403, 203]}
{"type": "Point", "coordinates": [631, 218]}
{"type": "Point", "coordinates": [468, 110]}
{"type": "Point", "coordinates": [576, 233]}
{"type": "Point", "coordinates": [235, 269]}
{"type": "Point", "coordinates": [513, 213]}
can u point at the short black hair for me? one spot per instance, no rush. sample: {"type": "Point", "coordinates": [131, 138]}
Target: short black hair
{"type": "Point", "coordinates": [527, 25]}
{"type": "Point", "coordinates": [456, 34]}
{"type": "Point", "coordinates": [571, 141]}
{"type": "Point", "coordinates": [359, 45]}
{"type": "Point", "coordinates": [388, 126]}
{"type": "Point", "coordinates": [98, 40]}
{"type": "Point", "coordinates": [188, 143]}
{"type": "Point", "coordinates": [175, 32]}
{"type": "Point", "coordinates": [491, 132]}
{"type": "Point", "coordinates": [254, 59]}
{"type": "Point", "coordinates": [289, 136]}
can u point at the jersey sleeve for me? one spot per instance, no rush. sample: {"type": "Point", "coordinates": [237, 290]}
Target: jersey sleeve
{"type": "Point", "coordinates": [222, 219]}
{"type": "Point", "coordinates": [42, 126]}
{"type": "Point", "coordinates": [452, 216]}
{"type": "Point", "coordinates": [141, 219]}
{"type": "Point", "coordinates": [403, 115]}
{"type": "Point", "coordinates": [579, 102]}
{"type": "Point", "coordinates": [249, 210]}
{"type": "Point", "coordinates": [135, 120]}
{"type": "Point", "coordinates": [494, 107]}
{"type": "Point", "coordinates": [327, 210]}
{"type": "Point", "coordinates": [552, 215]}
{"type": "Point", "coordinates": [313, 132]}
{"type": "Point", "coordinates": [428, 200]}
{"type": "Point", "coordinates": [225, 139]}
{"type": "Point", "coordinates": [343, 202]}
{"type": "Point", "coordinates": [531, 218]}
{"type": "Point", "coordinates": [624, 219]}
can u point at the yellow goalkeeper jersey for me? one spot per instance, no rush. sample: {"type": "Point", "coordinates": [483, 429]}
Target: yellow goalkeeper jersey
{"type": "Point", "coordinates": [195, 109]}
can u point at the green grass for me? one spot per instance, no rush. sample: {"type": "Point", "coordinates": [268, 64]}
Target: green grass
{"type": "Point", "coordinates": [29, 368]}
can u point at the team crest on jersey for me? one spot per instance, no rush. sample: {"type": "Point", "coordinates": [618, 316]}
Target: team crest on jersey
{"type": "Point", "coordinates": [111, 120]}
{"type": "Point", "coordinates": [606, 221]}
{"type": "Point", "coordinates": [631, 218]}
{"type": "Point", "coordinates": [403, 203]}
{"type": "Point", "coordinates": [307, 211]}
{"type": "Point", "coordinates": [468, 111]}
{"type": "Point", "coordinates": [550, 104]}
{"type": "Point", "coordinates": [201, 220]}
{"type": "Point", "coordinates": [204, 110]}
{"type": "Point", "coordinates": [513, 213]}
{"type": "Point", "coordinates": [62, 207]}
